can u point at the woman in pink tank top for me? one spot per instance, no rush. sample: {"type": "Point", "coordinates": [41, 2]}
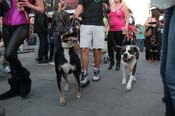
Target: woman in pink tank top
{"type": "Point", "coordinates": [118, 20]}
{"type": "Point", "coordinates": [15, 28]}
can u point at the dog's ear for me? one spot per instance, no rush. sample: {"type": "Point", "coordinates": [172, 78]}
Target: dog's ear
{"type": "Point", "coordinates": [123, 49]}
{"type": "Point", "coordinates": [136, 51]}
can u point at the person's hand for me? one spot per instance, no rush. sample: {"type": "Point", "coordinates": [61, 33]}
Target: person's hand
{"type": "Point", "coordinates": [25, 3]}
{"type": "Point", "coordinates": [77, 17]}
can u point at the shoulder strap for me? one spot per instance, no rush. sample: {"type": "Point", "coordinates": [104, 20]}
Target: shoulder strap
{"type": "Point", "coordinates": [121, 6]}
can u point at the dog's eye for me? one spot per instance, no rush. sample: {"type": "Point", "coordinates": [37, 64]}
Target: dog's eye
{"type": "Point", "coordinates": [122, 50]}
{"type": "Point", "coordinates": [131, 51]}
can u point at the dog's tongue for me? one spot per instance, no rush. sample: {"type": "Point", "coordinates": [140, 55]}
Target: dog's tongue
{"type": "Point", "coordinates": [125, 59]}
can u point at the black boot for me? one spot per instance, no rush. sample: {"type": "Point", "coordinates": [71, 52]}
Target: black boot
{"type": "Point", "coordinates": [14, 89]}
{"type": "Point", "coordinates": [117, 66]}
{"type": "Point", "coordinates": [25, 86]}
{"type": "Point", "coordinates": [111, 64]}
{"type": "Point", "coordinates": [24, 82]}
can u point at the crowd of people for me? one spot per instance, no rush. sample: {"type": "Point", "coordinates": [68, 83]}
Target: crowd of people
{"type": "Point", "coordinates": [100, 19]}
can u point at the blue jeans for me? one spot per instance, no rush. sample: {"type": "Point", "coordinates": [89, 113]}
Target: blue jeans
{"type": "Point", "coordinates": [168, 60]}
{"type": "Point", "coordinates": [140, 43]}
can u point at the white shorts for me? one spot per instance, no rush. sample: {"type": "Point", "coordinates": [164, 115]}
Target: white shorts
{"type": "Point", "coordinates": [92, 36]}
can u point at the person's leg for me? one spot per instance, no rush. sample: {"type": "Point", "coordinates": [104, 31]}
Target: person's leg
{"type": "Point", "coordinates": [98, 45]}
{"type": "Point", "coordinates": [42, 47]}
{"type": "Point", "coordinates": [85, 59]}
{"type": "Point", "coordinates": [85, 44]}
{"type": "Point", "coordinates": [110, 44]}
{"type": "Point", "coordinates": [118, 41]}
{"type": "Point", "coordinates": [46, 48]}
{"type": "Point", "coordinates": [163, 66]}
{"type": "Point", "coordinates": [37, 47]}
{"type": "Point", "coordinates": [142, 45]}
{"type": "Point", "coordinates": [20, 82]}
{"type": "Point", "coordinates": [139, 43]}
{"type": "Point", "coordinates": [51, 51]}
{"type": "Point", "coordinates": [170, 67]}
{"type": "Point", "coordinates": [147, 48]}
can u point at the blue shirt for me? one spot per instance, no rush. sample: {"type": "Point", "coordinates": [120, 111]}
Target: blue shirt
{"type": "Point", "coordinates": [163, 4]}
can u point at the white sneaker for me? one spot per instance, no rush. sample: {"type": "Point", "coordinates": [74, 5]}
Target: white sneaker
{"type": "Point", "coordinates": [7, 69]}
{"type": "Point", "coordinates": [96, 76]}
{"type": "Point", "coordinates": [52, 63]}
{"type": "Point", "coordinates": [84, 80]}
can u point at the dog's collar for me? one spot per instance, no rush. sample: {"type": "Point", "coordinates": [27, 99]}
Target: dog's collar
{"type": "Point", "coordinates": [68, 47]}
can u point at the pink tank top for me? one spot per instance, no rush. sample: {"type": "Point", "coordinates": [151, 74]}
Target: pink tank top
{"type": "Point", "coordinates": [14, 16]}
{"type": "Point", "coordinates": [117, 20]}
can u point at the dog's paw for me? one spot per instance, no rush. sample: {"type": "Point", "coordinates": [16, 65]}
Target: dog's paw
{"type": "Point", "coordinates": [62, 101]}
{"type": "Point", "coordinates": [128, 87]}
{"type": "Point", "coordinates": [123, 82]}
{"type": "Point", "coordinates": [66, 87]}
{"type": "Point", "coordinates": [78, 96]}
{"type": "Point", "coordinates": [134, 78]}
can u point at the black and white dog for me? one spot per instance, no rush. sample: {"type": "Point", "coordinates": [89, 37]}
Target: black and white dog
{"type": "Point", "coordinates": [129, 59]}
{"type": "Point", "coordinates": [67, 61]}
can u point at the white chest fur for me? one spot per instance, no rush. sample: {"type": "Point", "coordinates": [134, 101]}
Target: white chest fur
{"type": "Point", "coordinates": [66, 67]}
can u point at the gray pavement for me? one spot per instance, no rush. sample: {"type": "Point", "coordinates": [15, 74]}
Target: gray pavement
{"type": "Point", "coordinates": [104, 98]}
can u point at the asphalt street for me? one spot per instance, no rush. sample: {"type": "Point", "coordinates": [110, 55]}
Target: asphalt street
{"type": "Point", "coordinates": [106, 97]}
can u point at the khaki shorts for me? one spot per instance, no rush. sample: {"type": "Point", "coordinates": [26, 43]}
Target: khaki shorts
{"type": "Point", "coordinates": [92, 36]}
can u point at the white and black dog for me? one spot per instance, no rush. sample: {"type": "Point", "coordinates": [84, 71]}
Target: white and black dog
{"type": "Point", "coordinates": [129, 59]}
{"type": "Point", "coordinates": [67, 61]}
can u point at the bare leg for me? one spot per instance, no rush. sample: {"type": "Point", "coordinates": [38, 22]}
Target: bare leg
{"type": "Point", "coordinates": [85, 58]}
{"type": "Point", "coordinates": [97, 58]}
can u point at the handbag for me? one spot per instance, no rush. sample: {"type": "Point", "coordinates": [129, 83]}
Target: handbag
{"type": "Point", "coordinates": [148, 32]}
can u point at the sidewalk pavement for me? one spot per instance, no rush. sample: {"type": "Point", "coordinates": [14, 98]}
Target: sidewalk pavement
{"type": "Point", "coordinates": [104, 98]}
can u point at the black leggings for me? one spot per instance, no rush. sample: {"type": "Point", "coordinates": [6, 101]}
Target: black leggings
{"type": "Point", "coordinates": [115, 40]}
{"type": "Point", "coordinates": [13, 37]}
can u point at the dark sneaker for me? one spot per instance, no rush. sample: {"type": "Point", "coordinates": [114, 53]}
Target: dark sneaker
{"type": "Point", "coordinates": [111, 64]}
{"type": "Point", "coordinates": [43, 62]}
{"type": "Point", "coordinates": [117, 68]}
{"type": "Point", "coordinates": [97, 75]}
{"type": "Point", "coordinates": [84, 80]}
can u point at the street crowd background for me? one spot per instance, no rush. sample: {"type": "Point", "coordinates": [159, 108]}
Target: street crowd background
{"type": "Point", "coordinates": [136, 35]}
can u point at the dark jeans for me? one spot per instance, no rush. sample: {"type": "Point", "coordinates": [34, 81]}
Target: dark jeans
{"type": "Point", "coordinates": [13, 37]}
{"type": "Point", "coordinates": [51, 51]}
{"type": "Point", "coordinates": [43, 46]}
{"type": "Point", "coordinates": [168, 60]}
{"type": "Point", "coordinates": [140, 43]}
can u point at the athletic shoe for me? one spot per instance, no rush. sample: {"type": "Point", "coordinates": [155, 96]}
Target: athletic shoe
{"type": "Point", "coordinates": [97, 75]}
{"type": "Point", "coordinates": [84, 80]}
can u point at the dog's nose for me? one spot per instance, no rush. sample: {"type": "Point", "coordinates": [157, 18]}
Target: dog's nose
{"type": "Point", "coordinates": [125, 55]}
